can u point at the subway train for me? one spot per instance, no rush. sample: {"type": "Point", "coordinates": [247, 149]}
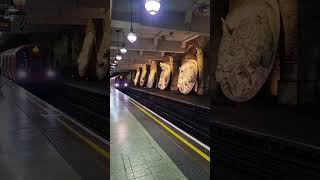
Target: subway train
{"type": "Point", "coordinates": [27, 64]}
{"type": "Point", "coordinates": [119, 82]}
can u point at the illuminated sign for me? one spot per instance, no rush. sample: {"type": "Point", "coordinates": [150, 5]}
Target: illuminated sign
{"type": "Point", "coordinates": [35, 50]}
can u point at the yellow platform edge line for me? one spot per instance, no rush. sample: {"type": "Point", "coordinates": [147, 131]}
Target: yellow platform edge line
{"type": "Point", "coordinates": [86, 140]}
{"type": "Point", "coordinates": [202, 154]}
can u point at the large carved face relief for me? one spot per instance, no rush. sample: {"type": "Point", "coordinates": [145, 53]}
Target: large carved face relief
{"type": "Point", "coordinates": [152, 74]}
{"type": "Point", "coordinates": [248, 49]}
{"type": "Point", "coordinates": [164, 76]}
{"type": "Point", "coordinates": [143, 75]}
{"type": "Point", "coordinates": [187, 78]}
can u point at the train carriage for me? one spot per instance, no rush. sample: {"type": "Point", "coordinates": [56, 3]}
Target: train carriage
{"type": "Point", "coordinates": [26, 64]}
{"type": "Point", "coordinates": [119, 82]}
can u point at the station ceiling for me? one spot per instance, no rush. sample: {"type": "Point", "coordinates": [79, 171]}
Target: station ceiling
{"type": "Point", "coordinates": [177, 22]}
{"type": "Point", "coordinates": [46, 16]}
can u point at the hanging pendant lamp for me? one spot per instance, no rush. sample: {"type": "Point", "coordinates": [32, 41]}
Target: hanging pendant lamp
{"type": "Point", "coordinates": [152, 6]}
{"type": "Point", "coordinates": [132, 37]}
{"type": "Point", "coordinates": [118, 56]}
{"type": "Point", "coordinates": [123, 49]}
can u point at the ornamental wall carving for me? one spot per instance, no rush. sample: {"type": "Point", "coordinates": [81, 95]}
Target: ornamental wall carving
{"type": "Point", "coordinates": [248, 48]}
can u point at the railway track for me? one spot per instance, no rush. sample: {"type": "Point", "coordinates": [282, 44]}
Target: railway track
{"type": "Point", "coordinates": [191, 119]}
{"type": "Point", "coordinates": [88, 108]}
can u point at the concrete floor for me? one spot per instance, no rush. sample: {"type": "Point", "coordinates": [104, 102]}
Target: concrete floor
{"type": "Point", "coordinates": [134, 152]}
{"type": "Point", "coordinates": [25, 152]}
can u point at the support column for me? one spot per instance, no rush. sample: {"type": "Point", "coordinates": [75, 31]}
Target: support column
{"type": "Point", "coordinates": [288, 63]}
{"type": "Point", "coordinates": [309, 53]}
{"type": "Point", "coordinates": [219, 8]}
{"type": "Point", "coordinates": [175, 64]}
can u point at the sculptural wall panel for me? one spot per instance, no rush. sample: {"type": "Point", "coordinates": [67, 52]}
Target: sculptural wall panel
{"type": "Point", "coordinates": [143, 76]}
{"type": "Point", "coordinates": [87, 49]}
{"type": "Point", "coordinates": [248, 48]}
{"type": "Point", "coordinates": [152, 74]}
{"type": "Point", "coordinates": [188, 71]}
{"type": "Point", "coordinates": [102, 65]}
{"type": "Point", "coordinates": [165, 75]}
{"type": "Point", "coordinates": [137, 77]}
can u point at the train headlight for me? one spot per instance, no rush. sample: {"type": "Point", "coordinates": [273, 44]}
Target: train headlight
{"type": "Point", "coordinates": [117, 84]}
{"type": "Point", "coordinates": [22, 74]}
{"type": "Point", "coordinates": [51, 73]}
{"type": "Point", "coordinates": [125, 84]}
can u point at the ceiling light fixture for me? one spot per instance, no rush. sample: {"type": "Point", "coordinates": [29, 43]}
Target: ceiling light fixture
{"type": "Point", "coordinates": [12, 8]}
{"type": "Point", "coordinates": [123, 49]}
{"type": "Point", "coordinates": [152, 6]}
{"type": "Point", "coordinates": [132, 37]}
{"type": "Point", "coordinates": [118, 57]}
{"type": "Point", "coordinates": [19, 2]}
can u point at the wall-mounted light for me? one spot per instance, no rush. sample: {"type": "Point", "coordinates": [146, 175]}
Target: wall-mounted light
{"type": "Point", "coordinates": [152, 6]}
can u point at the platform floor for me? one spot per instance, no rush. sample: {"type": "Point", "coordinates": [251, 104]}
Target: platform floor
{"type": "Point", "coordinates": [38, 141]}
{"type": "Point", "coordinates": [190, 99]}
{"type": "Point", "coordinates": [142, 149]}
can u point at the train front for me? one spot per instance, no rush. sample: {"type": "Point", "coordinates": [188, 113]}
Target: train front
{"type": "Point", "coordinates": [121, 82]}
{"type": "Point", "coordinates": [33, 67]}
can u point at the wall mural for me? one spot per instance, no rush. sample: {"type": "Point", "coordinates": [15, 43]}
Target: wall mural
{"type": "Point", "coordinates": [143, 75]}
{"type": "Point", "coordinates": [152, 74]}
{"type": "Point", "coordinates": [102, 65]}
{"type": "Point", "coordinates": [87, 48]}
{"type": "Point", "coordinates": [165, 74]}
{"type": "Point", "coordinates": [188, 71]}
{"type": "Point", "coordinates": [248, 48]}
{"type": "Point", "coordinates": [136, 79]}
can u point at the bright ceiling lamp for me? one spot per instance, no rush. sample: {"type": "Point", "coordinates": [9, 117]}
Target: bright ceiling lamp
{"type": "Point", "coordinates": [123, 49]}
{"type": "Point", "coordinates": [132, 37]}
{"type": "Point", "coordinates": [19, 2]}
{"type": "Point", "coordinates": [12, 8]}
{"type": "Point", "coordinates": [118, 57]}
{"type": "Point", "coordinates": [152, 6]}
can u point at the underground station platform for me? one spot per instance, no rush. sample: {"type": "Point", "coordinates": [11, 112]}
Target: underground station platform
{"type": "Point", "coordinates": [146, 145]}
{"type": "Point", "coordinates": [38, 141]}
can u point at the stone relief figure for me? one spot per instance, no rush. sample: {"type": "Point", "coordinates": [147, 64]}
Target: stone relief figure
{"type": "Point", "coordinates": [102, 65]}
{"type": "Point", "coordinates": [164, 75]}
{"type": "Point", "coordinates": [136, 79]}
{"type": "Point", "coordinates": [188, 71]}
{"type": "Point", "coordinates": [152, 74]}
{"type": "Point", "coordinates": [143, 75]}
{"type": "Point", "coordinates": [248, 48]}
{"type": "Point", "coordinates": [87, 49]}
